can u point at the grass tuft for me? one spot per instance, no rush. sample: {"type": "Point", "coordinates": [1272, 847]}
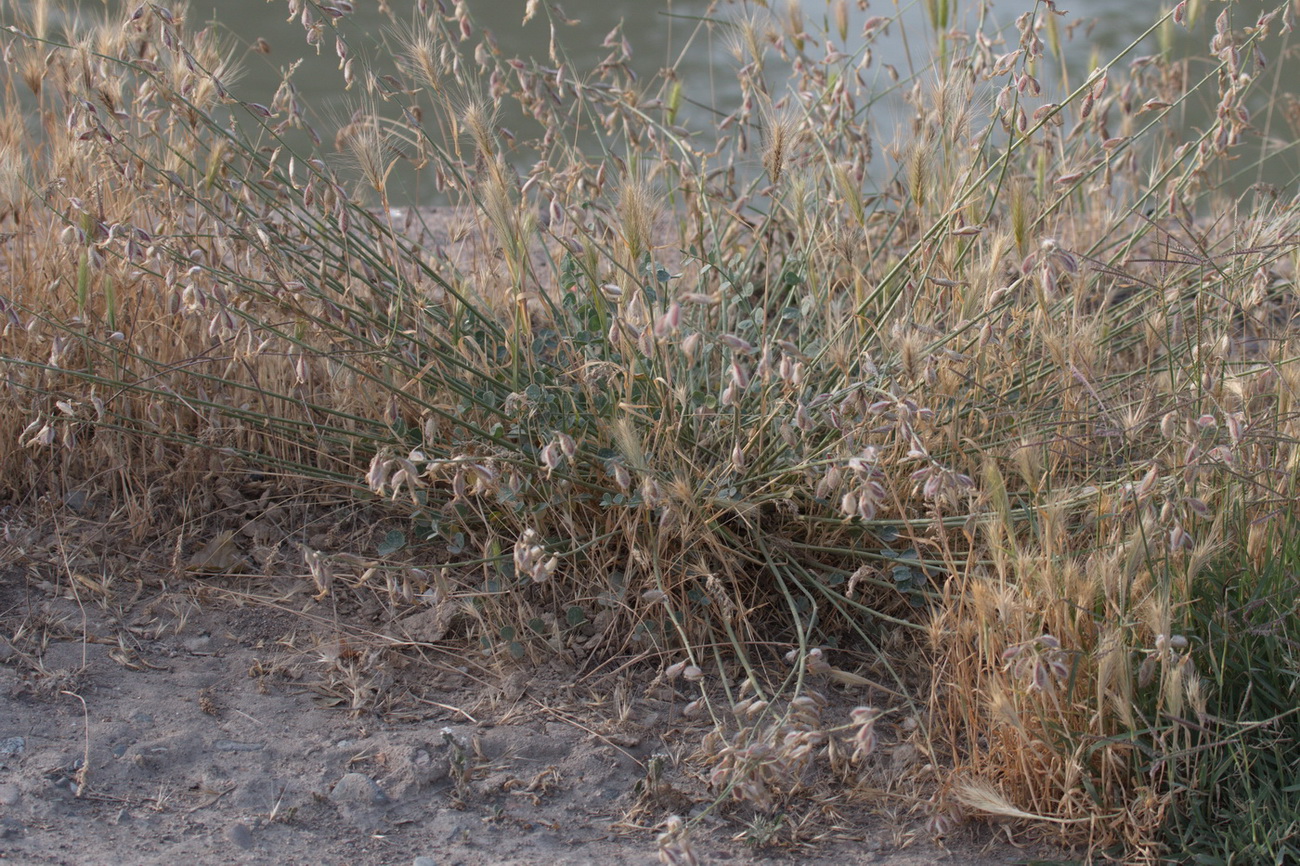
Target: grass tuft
{"type": "Point", "coordinates": [978, 427]}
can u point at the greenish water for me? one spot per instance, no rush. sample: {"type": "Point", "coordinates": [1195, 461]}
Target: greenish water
{"type": "Point", "coordinates": [690, 35]}
{"type": "Point", "coordinates": [670, 32]}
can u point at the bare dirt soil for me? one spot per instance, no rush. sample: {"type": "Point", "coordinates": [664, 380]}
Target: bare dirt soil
{"type": "Point", "coordinates": [152, 715]}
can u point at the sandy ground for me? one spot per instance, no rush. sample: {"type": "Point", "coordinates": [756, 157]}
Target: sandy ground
{"type": "Point", "coordinates": [234, 719]}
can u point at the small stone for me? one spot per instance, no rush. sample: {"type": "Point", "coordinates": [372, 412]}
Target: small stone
{"type": "Point", "coordinates": [359, 790]}
{"type": "Point", "coordinates": [233, 746]}
{"type": "Point", "coordinates": [240, 835]}
{"type": "Point", "coordinates": [424, 861]}
{"type": "Point", "coordinates": [12, 746]}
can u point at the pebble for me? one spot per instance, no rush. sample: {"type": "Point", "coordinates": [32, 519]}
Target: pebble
{"type": "Point", "coordinates": [358, 789]}
{"type": "Point", "coordinates": [233, 746]}
{"type": "Point", "coordinates": [424, 861]}
{"type": "Point", "coordinates": [11, 746]}
{"type": "Point", "coordinates": [240, 835]}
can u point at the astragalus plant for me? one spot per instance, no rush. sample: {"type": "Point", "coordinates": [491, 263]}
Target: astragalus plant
{"type": "Point", "coordinates": [977, 401]}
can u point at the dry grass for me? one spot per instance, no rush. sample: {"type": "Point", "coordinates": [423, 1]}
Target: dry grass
{"type": "Point", "coordinates": [980, 422]}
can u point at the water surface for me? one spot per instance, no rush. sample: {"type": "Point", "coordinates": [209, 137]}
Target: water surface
{"type": "Point", "coordinates": [690, 35]}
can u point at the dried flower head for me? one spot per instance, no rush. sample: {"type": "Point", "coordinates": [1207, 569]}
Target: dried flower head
{"type": "Point", "coordinates": [675, 844]}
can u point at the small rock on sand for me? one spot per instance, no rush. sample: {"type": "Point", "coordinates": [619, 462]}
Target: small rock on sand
{"type": "Point", "coordinates": [233, 746]}
{"type": "Point", "coordinates": [240, 835]}
{"type": "Point", "coordinates": [357, 789]}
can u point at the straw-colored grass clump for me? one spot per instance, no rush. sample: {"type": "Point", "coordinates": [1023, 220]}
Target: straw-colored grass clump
{"type": "Point", "coordinates": [982, 406]}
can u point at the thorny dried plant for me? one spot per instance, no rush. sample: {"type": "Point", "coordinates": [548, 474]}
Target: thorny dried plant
{"type": "Point", "coordinates": [984, 402]}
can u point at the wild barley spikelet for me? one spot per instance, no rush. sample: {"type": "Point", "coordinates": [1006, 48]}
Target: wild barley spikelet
{"type": "Point", "coordinates": [638, 210]}
{"type": "Point", "coordinates": [420, 57]}
{"type": "Point", "coordinates": [478, 118]}
{"type": "Point", "coordinates": [367, 144]}
{"type": "Point", "coordinates": [841, 13]}
{"type": "Point", "coordinates": [745, 41]}
{"type": "Point", "coordinates": [779, 134]}
{"type": "Point", "coordinates": [794, 23]}
{"type": "Point", "coordinates": [918, 172]}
